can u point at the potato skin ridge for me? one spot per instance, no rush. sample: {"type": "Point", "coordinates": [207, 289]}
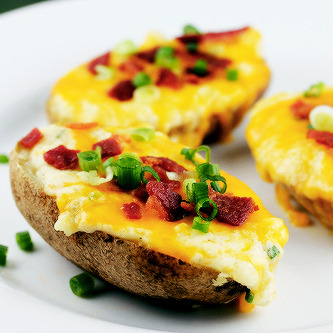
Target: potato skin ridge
{"type": "Point", "coordinates": [121, 262]}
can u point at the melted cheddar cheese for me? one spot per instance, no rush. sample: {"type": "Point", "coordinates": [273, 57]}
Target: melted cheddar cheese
{"type": "Point", "coordinates": [185, 114]}
{"type": "Point", "coordinates": [239, 252]}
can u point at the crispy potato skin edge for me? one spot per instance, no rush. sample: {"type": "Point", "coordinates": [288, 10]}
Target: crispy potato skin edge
{"type": "Point", "coordinates": [123, 263]}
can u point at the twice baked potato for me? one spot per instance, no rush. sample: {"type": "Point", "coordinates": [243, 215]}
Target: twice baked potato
{"type": "Point", "coordinates": [194, 87]}
{"type": "Point", "coordinates": [137, 234]}
{"type": "Point", "coordinates": [295, 156]}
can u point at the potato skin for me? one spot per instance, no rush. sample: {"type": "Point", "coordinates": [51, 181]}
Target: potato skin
{"type": "Point", "coordinates": [123, 263]}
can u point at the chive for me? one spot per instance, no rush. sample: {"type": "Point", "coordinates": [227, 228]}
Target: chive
{"type": "Point", "coordinates": [143, 134]}
{"type": "Point", "coordinates": [149, 169]}
{"type": "Point", "coordinates": [110, 162]}
{"type": "Point", "coordinates": [128, 171]}
{"type": "Point", "coordinates": [141, 79]}
{"type": "Point", "coordinates": [192, 47]}
{"type": "Point", "coordinates": [205, 149]}
{"type": "Point", "coordinates": [216, 187]}
{"type": "Point", "coordinates": [232, 74]}
{"type": "Point", "coordinates": [189, 153]}
{"type": "Point", "coordinates": [315, 90]}
{"type": "Point", "coordinates": [24, 241]}
{"type": "Point", "coordinates": [125, 48]}
{"type": "Point", "coordinates": [249, 297]}
{"type": "Point", "coordinates": [4, 158]}
{"type": "Point", "coordinates": [273, 252]}
{"type": "Point", "coordinates": [82, 284]}
{"type": "Point", "coordinates": [3, 255]}
{"type": "Point", "coordinates": [190, 30]}
{"type": "Point", "coordinates": [90, 160]}
{"type": "Point", "coordinates": [188, 188]}
{"type": "Point", "coordinates": [200, 225]}
{"type": "Point", "coordinates": [165, 57]}
{"type": "Point", "coordinates": [206, 170]}
{"type": "Point", "coordinates": [204, 203]}
{"type": "Point", "coordinates": [200, 67]}
{"type": "Point", "coordinates": [200, 191]}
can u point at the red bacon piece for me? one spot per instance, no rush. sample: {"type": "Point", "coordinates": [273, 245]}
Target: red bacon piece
{"type": "Point", "coordinates": [166, 78]}
{"type": "Point", "coordinates": [185, 39]}
{"type": "Point", "coordinates": [141, 193]}
{"type": "Point", "coordinates": [31, 139]}
{"type": "Point", "coordinates": [233, 210]}
{"type": "Point", "coordinates": [122, 91]}
{"type": "Point", "coordinates": [62, 158]}
{"type": "Point", "coordinates": [223, 34]}
{"type": "Point", "coordinates": [322, 137]}
{"type": "Point", "coordinates": [81, 126]}
{"type": "Point", "coordinates": [148, 55]}
{"type": "Point", "coordinates": [130, 67]}
{"type": "Point", "coordinates": [165, 201]}
{"type": "Point", "coordinates": [302, 109]}
{"type": "Point", "coordinates": [102, 60]}
{"type": "Point", "coordinates": [132, 211]}
{"type": "Point", "coordinates": [110, 147]}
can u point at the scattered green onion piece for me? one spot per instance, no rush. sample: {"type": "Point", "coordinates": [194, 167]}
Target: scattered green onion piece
{"type": "Point", "coordinates": [192, 47]}
{"type": "Point", "coordinates": [147, 94]}
{"type": "Point", "coordinates": [206, 149]}
{"type": "Point", "coordinates": [249, 297]}
{"type": "Point", "coordinates": [90, 160]}
{"type": "Point", "coordinates": [110, 162]}
{"type": "Point", "coordinates": [190, 30]}
{"type": "Point", "coordinates": [128, 171]}
{"type": "Point", "coordinates": [200, 191]}
{"type": "Point", "coordinates": [315, 90]}
{"type": "Point", "coordinates": [3, 255]}
{"type": "Point", "coordinates": [143, 134]}
{"type": "Point", "coordinates": [321, 118]}
{"type": "Point", "coordinates": [165, 58]}
{"type": "Point", "coordinates": [104, 72]}
{"type": "Point", "coordinates": [206, 170]}
{"type": "Point", "coordinates": [141, 79]}
{"type": "Point", "coordinates": [216, 186]}
{"type": "Point", "coordinates": [273, 252]}
{"type": "Point", "coordinates": [24, 241]}
{"type": "Point", "coordinates": [149, 169]}
{"type": "Point", "coordinates": [188, 153]}
{"type": "Point", "coordinates": [204, 203]}
{"type": "Point", "coordinates": [4, 158]}
{"type": "Point", "coordinates": [310, 127]}
{"type": "Point", "coordinates": [232, 74]}
{"type": "Point", "coordinates": [200, 67]}
{"type": "Point", "coordinates": [82, 284]}
{"type": "Point", "coordinates": [125, 48]}
{"type": "Point", "coordinates": [188, 189]}
{"type": "Point", "coordinates": [199, 224]}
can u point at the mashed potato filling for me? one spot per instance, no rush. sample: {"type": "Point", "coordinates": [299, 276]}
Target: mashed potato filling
{"type": "Point", "coordinates": [237, 252]}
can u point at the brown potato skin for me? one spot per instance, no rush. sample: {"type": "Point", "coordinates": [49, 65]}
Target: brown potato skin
{"type": "Point", "coordinates": [123, 263]}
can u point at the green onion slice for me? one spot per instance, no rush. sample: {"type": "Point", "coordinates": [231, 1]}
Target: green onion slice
{"type": "Point", "coordinates": [104, 72]}
{"type": "Point", "coordinates": [128, 171]}
{"type": "Point", "coordinates": [273, 252]}
{"type": "Point", "coordinates": [24, 241]}
{"type": "Point", "coordinates": [189, 153]}
{"type": "Point", "coordinates": [149, 169]}
{"type": "Point", "coordinates": [4, 158]}
{"type": "Point", "coordinates": [125, 48]}
{"type": "Point", "coordinates": [141, 79]}
{"type": "Point", "coordinates": [189, 29]}
{"type": "Point", "coordinates": [321, 118]}
{"type": "Point", "coordinates": [200, 67]}
{"type": "Point", "coordinates": [205, 149]}
{"type": "Point", "coordinates": [90, 160]}
{"type": "Point", "coordinates": [82, 284]}
{"type": "Point", "coordinates": [204, 203]}
{"type": "Point", "coordinates": [232, 74]}
{"type": "Point", "coordinates": [200, 225]}
{"type": "Point", "coordinates": [192, 47]}
{"type": "Point", "coordinates": [165, 57]}
{"type": "Point", "coordinates": [207, 170]}
{"type": "Point", "coordinates": [3, 255]}
{"type": "Point", "coordinates": [188, 189]}
{"type": "Point", "coordinates": [315, 90]}
{"type": "Point", "coordinates": [249, 297]}
{"type": "Point", "coordinates": [200, 191]}
{"type": "Point", "coordinates": [143, 134]}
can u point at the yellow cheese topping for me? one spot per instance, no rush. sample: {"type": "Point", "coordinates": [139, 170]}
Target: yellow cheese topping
{"type": "Point", "coordinates": [236, 252]}
{"type": "Point", "coordinates": [184, 114]}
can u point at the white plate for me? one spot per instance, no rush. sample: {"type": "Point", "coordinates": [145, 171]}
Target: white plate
{"type": "Point", "coordinates": [40, 43]}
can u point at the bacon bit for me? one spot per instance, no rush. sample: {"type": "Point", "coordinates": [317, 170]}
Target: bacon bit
{"type": "Point", "coordinates": [322, 137]}
{"type": "Point", "coordinates": [62, 158]}
{"type": "Point", "coordinates": [192, 78]}
{"type": "Point", "coordinates": [81, 126]}
{"type": "Point", "coordinates": [167, 78]}
{"type": "Point", "coordinates": [110, 147]}
{"type": "Point", "coordinates": [165, 201]}
{"type": "Point", "coordinates": [185, 39]}
{"type": "Point", "coordinates": [148, 55]}
{"type": "Point", "coordinates": [122, 91]}
{"type": "Point", "coordinates": [130, 67]}
{"type": "Point", "coordinates": [31, 139]}
{"type": "Point", "coordinates": [102, 60]}
{"type": "Point", "coordinates": [233, 210]}
{"type": "Point", "coordinates": [141, 193]}
{"type": "Point", "coordinates": [302, 109]}
{"type": "Point", "coordinates": [132, 211]}
{"type": "Point", "coordinates": [223, 35]}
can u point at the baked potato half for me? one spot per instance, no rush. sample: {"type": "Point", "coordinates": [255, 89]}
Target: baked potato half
{"type": "Point", "coordinates": [194, 87]}
{"type": "Point", "coordinates": [140, 237]}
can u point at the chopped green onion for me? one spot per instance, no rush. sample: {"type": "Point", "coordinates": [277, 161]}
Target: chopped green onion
{"type": "Point", "coordinates": [315, 90]}
{"type": "Point", "coordinates": [321, 118]}
{"type": "Point", "coordinates": [104, 72]}
{"type": "Point", "coordinates": [125, 48]}
{"type": "Point", "coordinates": [216, 187]}
{"type": "Point", "coordinates": [200, 191]}
{"type": "Point", "coordinates": [128, 171]}
{"type": "Point", "coordinates": [200, 67]}
{"type": "Point", "coordinates": [190, 153]}
{"type": "Point", "coordinates": [110, 162]}
{"type": "Point", "coordinates": [206, 149]}
{"type": "Point", "coordinates": [149, 169]}
{"type": "Point", "coordinates": [82, 284]}
{"type": "Point", "coordinates": [3, 255]}
{"type": "Point", "coordinates": [141, 79]}
{"type": "Point", "coordinates": [310, 127]}
{"type": "Point", "coordinates": [165, 57]}
{"type": "Point", "coordinates": [188, 189]}
{"type": "Point", "coordinates": [24, 241]}
{"type": "Point", "coordinates": [204, 203]}
{"type": "Point", "coordinates": [90, 160]}
{"type": "Point", "coordinates": [200, 225]}
{"type": "Point", "coordinates": [249, 297]}
{"type": "Point", "coordinates": [206, 170]}
{"type": "Point", "coordinates": [192, 47]}
{"type": "Point", "coordinates": [4, 158]}
{"type": "Point", "coordinates": [147, 94]}
{"type": "Point", "coordinates": [143, 134]}
{"type": "Point", "coordinates": [190, 30]}
{"type": "Point", "coordinates": [232, 74]}
{"type": "Point", "coordinates": [94, 179]}
{"type": "Point", "coordinates": [273, 252]}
